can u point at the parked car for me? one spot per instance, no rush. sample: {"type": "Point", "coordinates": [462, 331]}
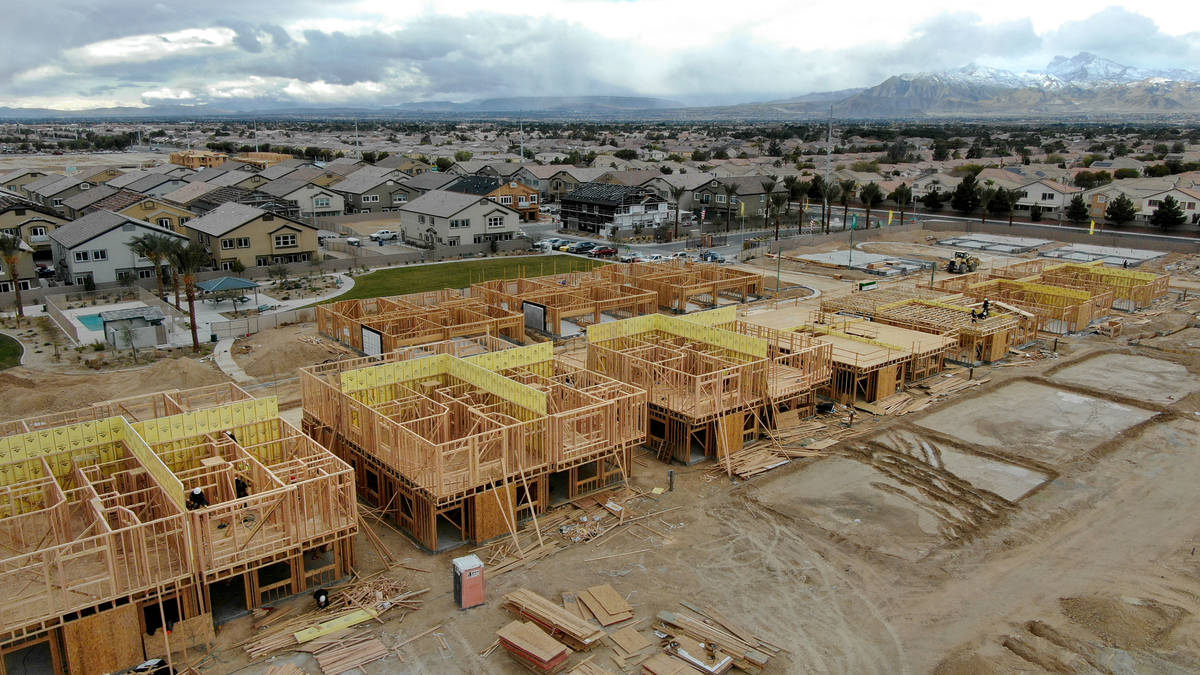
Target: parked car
{"type": "Point", "coordinates": [602, 252]}
{"type": "Point", "coordinates": [709, 256]}
{"type": "Point", "coordinates": [628, 258]}
{"type": "Point", "coordinates": [45, 272]}
{"type": "Point", "coordinates": [549, 244]}
{"type": "Point", "coordinates": [657, 257]}
{"type": "Point", "coordinates": [384, 235]}
{"type": "Point", "coordinates": [581, 247]}
{"type": "Point", "coordinates": [680, 255]}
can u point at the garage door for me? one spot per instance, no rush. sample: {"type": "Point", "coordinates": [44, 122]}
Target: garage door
{"type": "Point", "coordinates": [372, 341]}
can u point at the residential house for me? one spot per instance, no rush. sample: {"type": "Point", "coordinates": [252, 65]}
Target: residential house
{"type": "Point", "coordinates": [200, 198]}
{"type": "Point", "coordinates": [449, 218]}
{"type": "Point", "coordinates": [1050, 196]}
{"type": "Point", "coordinates": [430, 180]}
{"type": "Point", "coordinates": [1136, 189]}
{"type": "Point", "coordinates": [569, 178]}
{"type": "Point", "coordinates": [1188, 198]}
{"type": "Point", "coordinates": [15, 181]}
{"type": "Point", "coordinates": [662, 183]}
{"type": "Point", "coordinates": [472, 167]}
{"type": "Point", "coordinates": [115, 202]}
{"type": "Point", "coordinates": [277, 171]}
{"type": "Point", "coordinates": [519, 196]}
{"type": "Point", "coordinates": [204, 175]}
{"type": "Point", "coordinates": [239, 179]}
{"type": "Point", "coordinates": [751, 200]}
{"type": "Point", "coordinates": [405, 165]}
{"type": "Point", "coordinates": [159, 212]}
{"type": "Point", "coordinates": [366, 193]}
{"type": "Point", "coordinates": [101, 174]}
{"type": "Point", "coordinates": [235, 165]}
{"type": "Point", "coordinates": [197, 159]}
{"type": "Point", "coordinates": [1000, 178]}
{"type": "Point", "coordinates": [315, 175]}
{"type": "Point", "coordinates": [30, 222]}
{"type": "Point", "coordinates": [935, 182]}
{"type": "Point", "coordinates": [77, 206]}
{"type": "Point", "coordinates": [254, 237]}
{"type": "Point", "coordinates": [26, 273]}
{"type": "Point", "coordinates": [314, 201]}
{"type": "Point", "coordinates": [54, 189]}
{"type": "Point", "coordinates": [601, 208]}
{"type": "Point", "coordinates": [627, 176]}
{"type": "Point", "coordinates": [344, 165]}
{"type": "Point", "coordinates": [1111, 165]}
{"type": "Point", "coordinates": [537, 177]}
{"type": "Point", "coordinates": [97, 246]}
{"type": "Point", "coordinates": [156, 185]}
{"type": "Point", "coordinates": [262, 160]}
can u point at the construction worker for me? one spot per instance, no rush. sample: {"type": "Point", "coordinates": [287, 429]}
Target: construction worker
{"type": "Point", "coordinates": [986, 305]}
{"type": "Point", "coordinates": [196, 500]}
{"type": "Point", "coordinates": [322, 598]}
{"type": "Point", "coordinates": [240, 487]}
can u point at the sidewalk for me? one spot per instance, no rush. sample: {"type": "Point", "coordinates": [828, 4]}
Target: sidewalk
{"type": "Point", "coordinates": [223, 357]}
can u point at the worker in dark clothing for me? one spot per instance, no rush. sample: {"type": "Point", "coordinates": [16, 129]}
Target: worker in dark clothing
{"type": "Point", "coordinates": [196, 500]}
{"type": "Point", "coordinates": [241, 488]}
{"type": "Point", "coordinates": [986, 305]}
{"type": "Point", "coordinates": [322, 598]}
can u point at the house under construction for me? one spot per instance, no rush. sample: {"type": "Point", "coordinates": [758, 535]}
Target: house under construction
{"type": "Point", "coordinates": [380, 325]}
{"type": "Point", "coordinates": [102, 545]}
{"type": "Point", "coordinates": [562, 305]}
{"type": "Point", "coordinates": [708, 388]}
{"type": "Point", "coordinates": [684, 286]}
{"type": "Point", "coordinates": [460, 449]}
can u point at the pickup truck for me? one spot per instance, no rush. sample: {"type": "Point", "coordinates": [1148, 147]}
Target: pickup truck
{"type": "Point", "coordinates": [384, 235]}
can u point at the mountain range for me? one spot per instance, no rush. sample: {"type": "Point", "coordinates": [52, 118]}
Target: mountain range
{"type": "Point", "coordinates": [1084, 85]}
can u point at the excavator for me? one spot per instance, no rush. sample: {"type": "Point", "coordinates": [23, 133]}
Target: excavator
{"type": "Point", "coordinates": [962, 262]}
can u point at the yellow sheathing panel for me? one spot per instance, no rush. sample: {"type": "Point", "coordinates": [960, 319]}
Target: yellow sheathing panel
{"type": "Point", "coordinates": [199, 422]}
{"type": "Point", "coordinates": [374, 378]}
{"type": "Point", "coordinates": [514, 358]}
{"type": "Point", "coordinates": [602, 332]}
{"type": "Point", "coordinates": [509, 390]}
{"type": "Point", "coordinates": [752, 346]}
{"type": "Point", "coordinates": [713, 317]}
{"type": "Point", "coordinates": [154, 466]}
{"type": "Point", "coordinates": [58, 440]}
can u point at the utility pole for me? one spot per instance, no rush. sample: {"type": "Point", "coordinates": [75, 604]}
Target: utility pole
{"type": "Point", "coordinates": [521, 128]}
{"type": "Point", "coordinates": [828, 151]}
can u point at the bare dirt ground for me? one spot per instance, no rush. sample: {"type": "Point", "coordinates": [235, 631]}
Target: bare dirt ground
{"type": "Point", "coordinates": [277, 353]}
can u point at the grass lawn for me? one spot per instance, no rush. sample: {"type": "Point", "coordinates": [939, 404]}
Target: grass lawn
{"type": "Point", "coordinates": [10, 352]}
{"type": "Point", "coordinates": [419, 278]}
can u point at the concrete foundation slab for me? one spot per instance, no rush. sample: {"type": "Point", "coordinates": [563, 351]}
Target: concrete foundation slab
{"type": "Point", "coordinates": [1140, 377]}
{"type": "Point", "coordinates": [994, 242]}
{"type": "Point", "coordinates": [1109, 255]}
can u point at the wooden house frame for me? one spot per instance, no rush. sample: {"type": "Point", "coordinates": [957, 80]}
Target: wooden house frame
{"type": "Point", "coordinates": [582, 298]}
{"type": "Point", "coordinates": [683, 286]}
{"type": "Point", "coordinates": [457, 449]}
{"type": "Point", "coordinates": [93, 504]}
{"type": "Point", "coordinates": [1132, 289]}
{"type": "Point", "coordinates": [380, 325]}
{"type": "Point", "coordinates": [1058, 309]}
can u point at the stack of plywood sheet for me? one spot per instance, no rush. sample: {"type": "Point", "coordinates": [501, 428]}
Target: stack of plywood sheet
{"type": "Point", "coordinates": [577, 633]}
{"type": "Point", "coordinates": [605, 604]}
{"type": "Point", "coordinates": [665, 664]}
{"type": "Point", "coordinates": [531, 647]}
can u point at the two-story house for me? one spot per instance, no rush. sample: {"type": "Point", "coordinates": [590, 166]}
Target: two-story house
{"type": "Point", "coordinates": [1188, 198]}
{"type": "Point", "coordinates": [51, 191]}
{"type": "Point", "coordinates": [252, 236]}
{"type": "Point", "coordinates": [934, 182]}
{"type": "Point", "coordinates": [749, 201]}
{"type": "Point", "coordinates": [97, 246]}
{"type": "Point", "coordinates": [197, 159]}
{"type": "Point", "coordinates": [78, 206]}
{"type": "Point", "coordinates": [366, 193]}
{"type": "Point", "coordinates": [431, 180]}
{"type": "Point", "coordinates": [569, 178]}
{"type": "Point", "coordinates": [449, 218]}
{"type": "Point", "coordinates": [14, 181]}
{"type": "Point", "coordinates": [405, 165]}
{"type": "Point", "coordinates": [601, 208]}
{"type": "Point", "coordinates": [1050, 196]}
{"type": "Point", "coordinates": [314, 201]}
{"type": "Point", "coordinates": [26, 272]}
{"type": "Point", "coordinates": [662, 184]}
{"type": "Point", "coordinates": [29, 222]}
{"type": "Point", "coordinates": [513, 194]}
{"type": "Point", "coordinates": [160, 212]}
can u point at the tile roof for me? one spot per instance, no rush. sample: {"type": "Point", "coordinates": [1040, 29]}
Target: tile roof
{"type": "Point", "coordinates": [95, 224]}
{"type": "Point", "coordinates": [431, 180]}
{"type": "Point", "coordinates": [190, 192]}
{"type": "Point", "coordinates": [443, 203]}
{"type": "Point", "coordinates": [118, 200]}
{"type": "Point", "coordinates": [226, 217]}
{"type": "Point", "coordinates": [89, 197]}
{"type": "Point", "coordinates": [309, 173]}
{"type": "Point", "coordinates": [13, 175]}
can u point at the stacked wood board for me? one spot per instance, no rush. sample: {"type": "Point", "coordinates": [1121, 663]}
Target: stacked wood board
{"type": "Point", "coordinates": [575, 632]}
{"type": "Point", "coordinates": [530, 646]}
{"type": "Point", "coordinates": [665, 664]}
{"type": "Point", "coordinates": [605, 605]}
{"type": "Point", "coordinates": [747, 655]}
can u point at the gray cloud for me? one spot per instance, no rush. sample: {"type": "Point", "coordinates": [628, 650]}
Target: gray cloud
{"type": "Point", "coordinates": [1126, 37]}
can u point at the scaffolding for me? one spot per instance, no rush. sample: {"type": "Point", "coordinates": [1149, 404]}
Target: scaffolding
{"type": "Point", "coordinates": [94, 513]}
{"type": "Point", "coordinates": [684, 286]}
{"type": "Point", "coordinates": [379, 325]}
{"type": "Point", "coordinates": [578, 298]}
{"type": "Point", "coordinates": [458, 449]}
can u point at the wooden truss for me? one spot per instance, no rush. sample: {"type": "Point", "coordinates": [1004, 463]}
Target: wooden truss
{"type": "Point", "coordinates": [579, 297]}
{"type": "Point", "coordinates": [1132, 289]}
{"type": "Point", "coordinates": [440, 437]}
{"type": "Point", "coordinates": [1058, 309]}
{"type": "Point", "coordinates": [683, 286]}
{"type": "Point", "coordinates": [92, 505]}
{"type": "Point", "coordinates": [403, 320]}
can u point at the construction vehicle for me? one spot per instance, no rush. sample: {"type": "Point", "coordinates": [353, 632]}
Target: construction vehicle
{"type": "Point", "coordinates": [962, 262]}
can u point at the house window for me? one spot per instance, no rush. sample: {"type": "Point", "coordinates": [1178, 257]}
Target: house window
{"type": "Point", "coordinates": [364, 210]}
{"type": "Point", "coordinates": [1153, 202]}
{"type": "Point", "coordinates": [321, 202]}
{"type": "Point", "coordinates": [227, 265]}
{"type": "Point", "coordinates": [82, 279]}
{"type": "Point", "coordinates": [262, 261]}
{"type": "Point", "coordinates": [57, 202]}
{"type": "Point", "coordinates": [100, 254]}
{"type": "Point", "coordinates": [495, 221]}
{"type": "Point", "coordinates": [243, 242]}
{"type": "Point", "coordinates": [533, 198]}
{"type": "Point", "coordinates": [164, 222]}
{"type": "Point", "coordinates": [370, 198]}
{"type": "Point", "coordinates": [464, 222]}
{"type": "Point", "coordinates": [1047, 196]}
{"type": "Point", "coordinates": [704, 198]}
{"type": "Point", "coordinates": [399, 197]}
{"type": "Point", "coordinates": [1101, 198]}
{"type": "Point", "coordinates": [720, 199]}
{"type": "Point", "coordinates": [81, 256]}
{"type": "Point", "coordinates": [452, 241]}
{"type": "Point", "coordinates": [285, 241]}
{"type": "Point", "coordinates": [85, 186]}
{"type": "Point", "coordinates": [183, 220]}
{"type": "Point", "coordinates": [227, 244]}
{"type": "Point", "coordinates": [420, 220]}
{"type": "Point", "coordinates": [37, 231]}
{"type": "Point", "coordinates": [146, 273]}
{"type": "Point", "coordinates": [506, 199]}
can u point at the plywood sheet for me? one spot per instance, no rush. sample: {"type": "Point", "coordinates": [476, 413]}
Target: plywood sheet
{"type": "Point", "coordinates": [532, 640]}
{"type": "Point", "coordinates": [489, 520]}
{"type": "Point", "coordinates": [105, 642]}
{"type": "Point", "coordinates": [197, 631]}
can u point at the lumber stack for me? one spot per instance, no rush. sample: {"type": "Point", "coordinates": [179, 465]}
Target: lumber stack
{"type": "Point", "coordinates": [605, 605]}
{"type": "Point", "coordinates": [744, 650]}
{"type": "Point", "coordinates": [531, 647]}
{"type": "Point", "coordinates": [574, 631]}
{"type": "Point", "coordinates": [339, 654]}
{"type": "Point", "coordinates": [665, 664]}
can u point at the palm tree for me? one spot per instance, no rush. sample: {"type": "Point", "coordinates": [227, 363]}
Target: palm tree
{"type": "Point", "coordinates": [902, 195]}
{"type": "Point", "coordinates": [792, 183]}
{"type": "Point", "coordinates": [768, 184]}
{"type": "Point", "coordinates": [816, 190]}
{"type": "Point", "coordinates": [155, 248]}
{"type": "Point", "coordinates": [832, 192]}
{"type": "Point", "coordinates": [870, 196]}
{"type": "Point", "coordinates": [11, 250]}
{"type": "Point", "coordinates": [187, 260]}
{"type": "Point", "coordinates": [730, 194]}
{"type": "Point", "coordinates": [986, 195]}
{"type": "Point", "coordinates": [847, 187]}
{"type": "Point", "coordinates": [677, 193]}
{"type": "Point", "coordinates": [778, 200]}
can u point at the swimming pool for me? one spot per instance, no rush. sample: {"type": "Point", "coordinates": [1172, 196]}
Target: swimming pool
{"type": "Point", "coordinates": [91, 321]}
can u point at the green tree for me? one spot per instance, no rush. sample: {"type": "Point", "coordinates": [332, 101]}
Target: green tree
{"type": "Point", "coordinates": [778, 200]}
{"type": "Point", "coordinates": [965, 198]}
{"type": "Point", "coordinates": [237, 268]}
{"type": "Point", "coordinates": [444, 164]}
{"type": "Point", "coordinates": [933, 201]}
{"type": "Point", "coordinates": [791, 183]}
{"type": "Point", "coordinates": [1168, 214]}
{"type": "Point", "coordinates": [903, 196]}
{"type": "Point", "coordinates": [700, 156]}
{"type": "Point", "coordinates": [155, 248]}
{"type": "Point", "coordinates": [846, 193]}
{"type": "Point", "coordinates": [1035, 213]}
{"type": "Point", "coordinates": [1121, 210]}
{"type": "Point", "coordinates": [817, 191]}
{"type": "Point", "coordinates": [463, 155]}
{"type": "Point", "coordinates": [1077, 210]}
{"type": "Point", "coordinates": [870, 195]}
{"type": "Point", "coordinates": [12, 250]}
{"type": "Point", "coordinates": [720, 153]}
{"type": "Point", "coordinates": [677, 192]}
{"type": "Point", "coordinates": [1121, 174]}
{"type": "Point", "coordinates": [769, 184]}
{"type": "Point", "coordinates": [625, 153]}
{"type": "Point", "coordinates": [833, 192]}
{"type": "Point", "coordinates": [730, 195]}
{"type": "Point", "coordinates": [187, 261]}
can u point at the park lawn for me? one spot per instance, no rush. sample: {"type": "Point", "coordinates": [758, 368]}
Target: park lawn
{"type": "Point", "coordinates": [420, 278]}
{"type": "Point", "coordinates": [10, 352]}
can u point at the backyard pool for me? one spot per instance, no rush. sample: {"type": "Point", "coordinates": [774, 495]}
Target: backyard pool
{"type": "Point", "coordinates": [91, 321]}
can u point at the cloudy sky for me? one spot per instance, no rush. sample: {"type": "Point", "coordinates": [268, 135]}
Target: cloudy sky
{"type": "Point", "coordinates": [74, 54]}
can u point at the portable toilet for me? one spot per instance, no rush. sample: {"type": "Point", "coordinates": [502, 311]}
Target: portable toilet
{"type": "Point", "coordinates": [468, 581]}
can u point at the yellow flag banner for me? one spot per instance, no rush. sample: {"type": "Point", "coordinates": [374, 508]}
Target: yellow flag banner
{"type": "Point", "coordinates": [1092, 229]}
{"type": "Point", "coordinates": [889, 216]}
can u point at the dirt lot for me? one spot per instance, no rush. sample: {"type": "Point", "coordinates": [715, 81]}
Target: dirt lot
{"type": "Point", "coordinates": [276, 353]}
